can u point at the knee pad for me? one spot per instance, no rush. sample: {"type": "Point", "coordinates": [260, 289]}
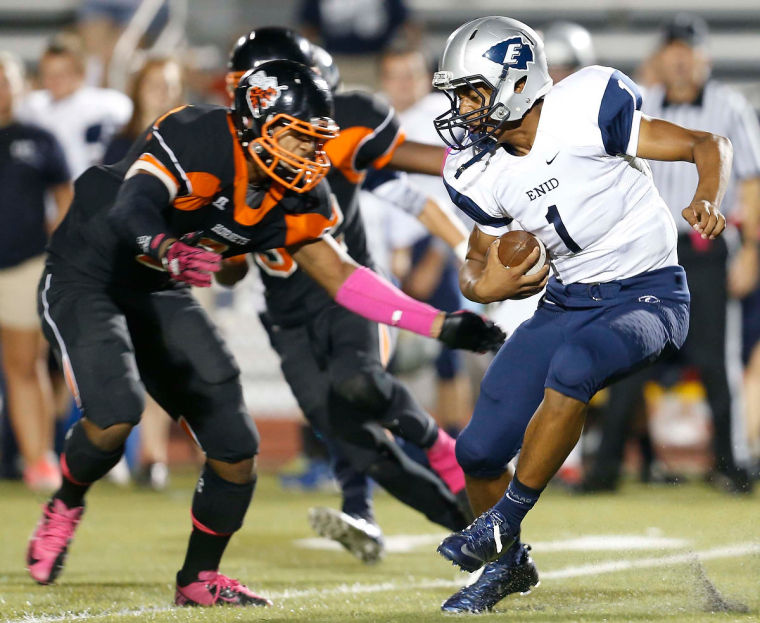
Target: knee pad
{"type": "Point", "coordinates": [248, 445]}
{"type": "Point", "coordinates": [120, 401]}
{"type": "Point", "coordinates": [226, 432]}
{"type": "Point", "coordinates": [476, 460]}
{"type": "Point", "coordinates": [368, 391]}
{"type": "Point", "coordinates": [245, 439]}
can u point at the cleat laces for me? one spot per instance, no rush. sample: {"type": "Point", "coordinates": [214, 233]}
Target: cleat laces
{"type": "Point", "coordinates": [57, 529]}
{"type": "Point", "coordinates": [486, 527]}
{"type": "Point", "coordinates": [220, 585]}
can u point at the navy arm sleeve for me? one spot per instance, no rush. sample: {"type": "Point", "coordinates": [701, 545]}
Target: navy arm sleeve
{"type": "Point", "coordinates": [621, 99]}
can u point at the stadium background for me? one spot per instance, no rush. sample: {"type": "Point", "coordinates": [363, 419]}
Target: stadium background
{"type": "Point", "coordinates": [201, 31]}
{"type": "Point", "coordinates": [625, 32]}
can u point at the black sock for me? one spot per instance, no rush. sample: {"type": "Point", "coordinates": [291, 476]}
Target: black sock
{"type": "Point", "coordinates": [71, 494]}
{"type": "Point", "coordinates": [219, 507]}
{"type": "Point", "coordinates": [204, 551]}
{"type": "Point", "coordinates": [82, 463]}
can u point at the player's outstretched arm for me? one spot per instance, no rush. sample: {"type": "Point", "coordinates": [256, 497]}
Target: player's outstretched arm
{"type": "Point", "coordinates": [484, 279]}
{"type": "Point", "coordinates": [444, 224]}
{"type": "Point", "coordinates": [440, 221]}
{"type": "Point", "coordinates": [362, 291]}
{"type": "Point", "coordinates": [662, 140]}
{"type": "Point", "coordinates": [418, 158]}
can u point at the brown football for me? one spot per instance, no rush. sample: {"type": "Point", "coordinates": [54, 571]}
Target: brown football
{"type": "Point", "coordinates": [515, 246]}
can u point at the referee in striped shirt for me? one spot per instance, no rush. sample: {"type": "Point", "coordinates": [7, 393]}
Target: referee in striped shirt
{"type": "Point", "coordinates": [687, 96]}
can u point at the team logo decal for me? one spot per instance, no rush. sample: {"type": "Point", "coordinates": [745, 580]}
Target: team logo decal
{"type": "Point", "coordinates": [263, 92]}
{"type": "Point", "coordinates": [514, 53]}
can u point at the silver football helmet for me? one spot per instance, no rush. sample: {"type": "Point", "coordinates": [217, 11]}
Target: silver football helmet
{"type": "Point", "coordinates": [569, 45]}
{"type": "Point", "coordinates": [496, 52]}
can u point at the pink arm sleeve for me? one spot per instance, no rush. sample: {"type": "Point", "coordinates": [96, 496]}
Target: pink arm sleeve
{"type": "Point", "coordinates": [369, 295]}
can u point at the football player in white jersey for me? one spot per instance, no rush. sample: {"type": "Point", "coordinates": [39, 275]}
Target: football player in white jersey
{"type": "Point", "coordinates": [563, 162]}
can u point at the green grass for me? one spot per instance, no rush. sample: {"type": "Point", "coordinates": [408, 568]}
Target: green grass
{"type": "Point", "coordinates": [122, 564]}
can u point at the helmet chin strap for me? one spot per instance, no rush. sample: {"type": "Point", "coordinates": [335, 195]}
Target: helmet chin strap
{"type": "Point", "coordinates": [497, 96]}
{"type": "Point", "coordinates": [489, 149]}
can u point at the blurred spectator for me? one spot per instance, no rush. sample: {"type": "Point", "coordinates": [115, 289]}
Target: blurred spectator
{"type": "Point", "coordinates": [156, 89]}
{"type": "Point", "coordinates": [82, 118]}
{"type": "Point", "coordinates": [568, 47]}
{"type": "Point", "coordinates": [751, 359]}
{"type": "Point", "coordinates": [406, 80]}
{"type": "Point", "coordinates": [690, 98]}
{"type": "Point", "coordinates": [31, 164]}
{"type": "Point", "coordinates": [100, 24]}
{"type": "Point", "coordinates": [356, 32]}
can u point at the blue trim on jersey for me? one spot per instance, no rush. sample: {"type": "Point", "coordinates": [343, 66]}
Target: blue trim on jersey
{"type": "Point", "coordinates": [377, 177]}
{"type": "Point", "coordinates": [620, 99]}
{"type": "Point", "coordinates": [474, 211]}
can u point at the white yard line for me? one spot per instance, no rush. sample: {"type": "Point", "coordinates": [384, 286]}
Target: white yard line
{"type": "Point", "coordinates": [411, 543]}
{"type": "Point", "coordinates": [601, 568]}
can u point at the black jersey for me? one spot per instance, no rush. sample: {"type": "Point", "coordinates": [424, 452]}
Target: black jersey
{"type": "Point", "coordinates": [195, 153]}
{"type": "Point", "coordinates": [369, 134]}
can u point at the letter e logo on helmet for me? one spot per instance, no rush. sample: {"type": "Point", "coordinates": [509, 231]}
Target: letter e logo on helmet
{"type": "Point", "coordinates": [514, 52]}
{"type": "Point", "coordinates": [263, 92]}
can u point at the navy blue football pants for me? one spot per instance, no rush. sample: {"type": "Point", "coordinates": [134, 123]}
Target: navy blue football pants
{"type": "Point", "coordinates": [581, 338]}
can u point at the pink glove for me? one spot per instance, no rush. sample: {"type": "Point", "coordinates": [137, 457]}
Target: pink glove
{"type": "Point", "coordinates": [191, 265]}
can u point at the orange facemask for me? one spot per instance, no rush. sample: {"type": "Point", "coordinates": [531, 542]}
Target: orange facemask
{"type": "Point", "coordinates": [294, 172]}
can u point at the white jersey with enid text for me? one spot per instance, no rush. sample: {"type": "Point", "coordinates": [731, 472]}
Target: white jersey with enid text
{"type": "Point", "coordinates": [580, 189]}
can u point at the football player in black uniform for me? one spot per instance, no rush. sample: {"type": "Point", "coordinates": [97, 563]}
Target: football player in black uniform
{"type": "Point", "coordinates": [333, 360]}
{"type": "Point", "coordinates": [116, 306]}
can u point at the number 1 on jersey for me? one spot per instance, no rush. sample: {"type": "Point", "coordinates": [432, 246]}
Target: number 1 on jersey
{"type": "Point", "coordinates": [552, 215]}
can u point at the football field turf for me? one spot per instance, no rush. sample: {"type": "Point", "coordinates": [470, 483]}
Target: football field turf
{"type": "Point", "coordinates": [649, 554]}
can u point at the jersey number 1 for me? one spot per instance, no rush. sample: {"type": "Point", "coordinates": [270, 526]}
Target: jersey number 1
{"type": "Point", "coordinates": [552, 215]}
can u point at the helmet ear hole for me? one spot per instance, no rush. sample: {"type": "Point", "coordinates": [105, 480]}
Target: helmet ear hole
{"type": "Point", "coordinates": [520, 84]}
